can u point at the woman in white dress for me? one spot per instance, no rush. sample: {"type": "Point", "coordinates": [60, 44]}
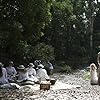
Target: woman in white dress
{"type": "Point", "coordinates": [93, 74]}
{"type": "Point", "coordinates": [42, 73]}
{"type": "Point", "coordinates": [11, 71]}
{"type": "Point", "coordinates": [32, 72]}
{"type": "Point", "coordinates": [3, 75]}
{"type": "Point", "coordinates": [22, 73]}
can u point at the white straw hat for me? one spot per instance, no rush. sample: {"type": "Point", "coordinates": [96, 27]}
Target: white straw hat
{"type": "Point", "coordinates": [31, 64]}
{"type": "Point", "coordinates": [21, 67]}
{"type": "Point", "coordinates": [40, 66]}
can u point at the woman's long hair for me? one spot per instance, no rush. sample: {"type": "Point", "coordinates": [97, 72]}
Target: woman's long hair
{"type": "Point", "coordinates": [1, 73]}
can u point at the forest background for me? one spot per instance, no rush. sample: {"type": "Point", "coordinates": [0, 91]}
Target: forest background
{"type": "Point", "coordinates": [65, 32]}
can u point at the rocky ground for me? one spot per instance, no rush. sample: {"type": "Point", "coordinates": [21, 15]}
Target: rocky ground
{"type": "Point", "coordinates": [85, 92]}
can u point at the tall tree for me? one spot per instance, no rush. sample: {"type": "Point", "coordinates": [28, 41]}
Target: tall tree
{"type": "Point", "coordinates": [58, 31]}
{"type": "Point", "coordinates": [22, 21]}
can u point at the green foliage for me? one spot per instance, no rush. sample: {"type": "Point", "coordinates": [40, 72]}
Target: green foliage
{"type": "Point", "coordinates": [64, 68]}
{"type": "Point", "coordinates": [47, 29]}
{"type": "Point", "coordinates": [58, 31]}
{"type": "Point", "coordinates": [44, 52]}
{"type": "Point", "coordinates": [64, 5]}
{"type": "Point", "coordinates": [26, 53]}
{"type": "Point", "coordinates": [34, 16]}
{"type": "Point", "coordinates": [86, 76]}
{"type": "Point", "coordinates": [23, 51]}
{"type": "Point", "coordinates": [22, 24]}
{"type": "Point", "coordinates": [67, 30]}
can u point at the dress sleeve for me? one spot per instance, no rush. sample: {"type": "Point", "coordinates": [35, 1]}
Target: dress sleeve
{"type": "Point", "coordinates": [34, 72]}
{"type": "Point", "coordinates": [46, 75]}
{"type": "Point", "coordinates": [5, 72]}
{"type": "Point", "coordinates": [14, 70]}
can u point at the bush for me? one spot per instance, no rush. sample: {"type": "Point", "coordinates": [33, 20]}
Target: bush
{"type": "Point", "coordinates": [64, 68]}
{"type": "Point", "coordinates": [23, 51]}
{"type": "Point", "coordinates": [26, 53]}
{"type": "Point", "coordinates": [86, 76]}
{"type": "Point", "coordinates": [44, 52]}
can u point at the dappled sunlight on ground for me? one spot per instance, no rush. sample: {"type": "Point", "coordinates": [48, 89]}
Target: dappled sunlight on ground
{"type": "Point", "coordinates": [67, 87]}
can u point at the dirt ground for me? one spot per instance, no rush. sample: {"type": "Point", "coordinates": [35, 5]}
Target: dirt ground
{"type": "Point", "coordinates": [85, 92]}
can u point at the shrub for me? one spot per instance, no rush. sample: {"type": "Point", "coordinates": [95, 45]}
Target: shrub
{"type": "Point", "coordinates": [63, 67]}
{"type": "Point", "coordinates": [44, 52]}
{"type": "Point", "coordinates": [66, 69]}
{"type": "Point", "coordinates": [86, 76]}
{"type": "Point", "coordinates": [23, 51]}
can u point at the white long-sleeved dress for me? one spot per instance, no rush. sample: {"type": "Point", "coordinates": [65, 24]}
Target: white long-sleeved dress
{"type": "Point", "coordinates": [31, 71]}
{"type": "Point", "coordinates": [94, 77]}
{"type": "Point", "coordinates": [23, 76]}
{"type": "Point", "coordinates": [11, 71]}
{"type": "Point", "coordinates": [32, 74]}
{"type": "Point", "coordinates": [42, 74]}
{"type": "Point", "coordinates": [3, 78]}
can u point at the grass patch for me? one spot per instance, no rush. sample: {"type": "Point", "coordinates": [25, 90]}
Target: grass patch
{"type": "Point", "coordinates": [86, 76]}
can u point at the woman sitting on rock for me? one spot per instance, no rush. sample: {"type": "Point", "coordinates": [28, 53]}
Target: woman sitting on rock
{"type": "Point", "coordinates": [23, 77]}
{"type": "Point", "coordinates": [42, 73]}
{"type": "Point", "coordinates": [3, 75]}
{"type": "Point", "coordinates": [22, 73]}
{"type": "Point", "coordinates": [11, 71]}
{"type": "Point", "coordinates": [32, 72]}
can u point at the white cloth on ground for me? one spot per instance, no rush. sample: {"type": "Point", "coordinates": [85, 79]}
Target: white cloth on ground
{"type": "Point", "coordinates": [10, 86]}
{"type": "Point", "coordinates": [33, 78]}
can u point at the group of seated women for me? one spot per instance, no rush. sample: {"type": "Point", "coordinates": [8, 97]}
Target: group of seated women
{"type": "Point", "coordinates": [21, 74]}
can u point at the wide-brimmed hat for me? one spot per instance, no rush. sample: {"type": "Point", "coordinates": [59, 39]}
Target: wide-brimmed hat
{"type": "Point", "coordinates": [40, 66]}
{"type": "Point", "coordinates": [21, 67]}
{"type": "Point", "coordinates": [11, 62]}
{"type": "Point", "coordinates": [1, 65]}
{"type": "Point", "coordinates": [31, 64]}
{"type": "Point", "coordinates": [98, 53]}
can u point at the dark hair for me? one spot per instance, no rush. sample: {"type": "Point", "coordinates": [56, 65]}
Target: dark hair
{"type": "Point", "coordinates": [11, 63]}
{"type": "Point", "coordinates": [1, 73]}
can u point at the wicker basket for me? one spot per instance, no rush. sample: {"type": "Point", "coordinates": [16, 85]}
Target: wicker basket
{"type": "Point", "coordinates": [44, 85]}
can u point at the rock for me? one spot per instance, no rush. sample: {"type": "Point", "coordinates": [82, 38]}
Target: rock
{"type": "Point", "coordinates": [60, 86]}
{"type": "Point", "coordinates": [82, 90]}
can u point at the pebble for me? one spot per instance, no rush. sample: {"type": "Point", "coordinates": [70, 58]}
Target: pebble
{"type": "Point", "coordinates": [85, 92]}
